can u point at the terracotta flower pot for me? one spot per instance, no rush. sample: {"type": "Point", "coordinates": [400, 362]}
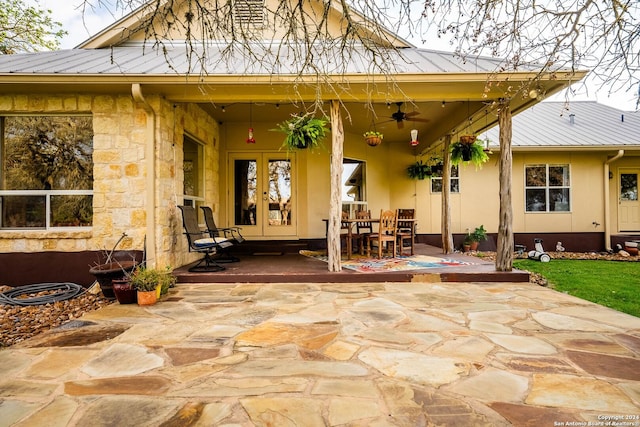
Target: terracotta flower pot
{"type": "Point", "coordinates": [373, 140]}
{"type": "Point", "coordinates": [147, 297]}
{"type": "Point", "coordinates": [467, 139]}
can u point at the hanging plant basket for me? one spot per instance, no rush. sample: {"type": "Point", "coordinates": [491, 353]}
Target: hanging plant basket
{"type": "Point", "coordinates": [467, 139]}
{"type": "Point", "coordinates": [373, 138]}
{"type": "Point", "coordinates": [302, 131]}
{"type": "Point", "coordinates": [419, 170]}
{"type": "Point", "coordinates": [464, 152]}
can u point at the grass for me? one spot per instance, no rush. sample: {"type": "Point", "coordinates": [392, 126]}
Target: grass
{"type": "Point", "coordinates": [614, 284]}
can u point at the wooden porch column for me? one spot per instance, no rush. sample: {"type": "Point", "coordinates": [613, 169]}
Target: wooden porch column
{"type": "Point", "coordinates": [335, 200]}
{"type": "Point", "coordinates": [504, 255]}
{"type": "Point", "coordinates": [445, 221]}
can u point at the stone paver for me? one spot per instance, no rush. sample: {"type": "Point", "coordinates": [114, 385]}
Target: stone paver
{"type": "Point", "coordinates": [339, 354]}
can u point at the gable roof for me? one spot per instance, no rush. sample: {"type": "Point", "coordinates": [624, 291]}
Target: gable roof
{"type": "Point", "coordinates": [127, 59]}
{"type": "Point", "coordinates": [131, 26]}
{"type": "Point", "coordinates": [585, 124]}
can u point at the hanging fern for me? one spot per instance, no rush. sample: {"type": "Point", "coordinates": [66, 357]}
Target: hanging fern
{"type": "Point", "coordinates": [302, 132]}
{"type": "Point", "coordinates": [419, 170]}
{"type": "Point", "coordinates": [474, 153]}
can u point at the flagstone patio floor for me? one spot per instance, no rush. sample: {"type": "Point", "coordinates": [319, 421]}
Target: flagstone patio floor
{"type": "Point", "coordinates": [332, 354]}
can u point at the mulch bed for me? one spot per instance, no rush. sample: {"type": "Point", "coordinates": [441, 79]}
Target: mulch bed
{"type": "Point", "coordinates": [18, 323]}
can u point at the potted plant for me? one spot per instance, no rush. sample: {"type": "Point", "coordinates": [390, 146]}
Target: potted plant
{"type": "Point", "coordinates": [124, 291]}
{"type": "Point", "coordinates": [167, 280]}
{"type": "Point", "coordinates": [468, 152]}
{"type": "Point", "coordinates": [112, 269]}
{"type": "Point", "coordinates": [302, 131]}
{"type": "Point", "coordinates": [146, 281]}
{"type": "Point", "coordinates": [419, 170]}
{"type": "Point", "coordinates": [373, 138]}
{"type": "Point", "coordinates": [437, 164]}
{"type": "Point", "coordinates": [472, 240]}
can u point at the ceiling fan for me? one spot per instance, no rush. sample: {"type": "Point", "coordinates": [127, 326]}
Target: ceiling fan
{"type": "Point", "coordinates": [400, 116]}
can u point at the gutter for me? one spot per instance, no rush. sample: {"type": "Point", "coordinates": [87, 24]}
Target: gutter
{"type": "Point", "coordinates": [607, 202]}
{"type": "Point", "coordinates": [150, 159]}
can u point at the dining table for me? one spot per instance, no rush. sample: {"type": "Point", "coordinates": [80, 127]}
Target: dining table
{"type": "Point", "coordinates": [349, 222]}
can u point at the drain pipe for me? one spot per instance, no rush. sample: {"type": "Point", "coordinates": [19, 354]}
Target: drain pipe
{"type": "Point", "coordinates": [150, 158]}
{"type": "Point", "coordinates": [607, 202]}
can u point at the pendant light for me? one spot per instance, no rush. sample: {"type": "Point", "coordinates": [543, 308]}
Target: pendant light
{"type": "Point", "coordinates": [251, 139]}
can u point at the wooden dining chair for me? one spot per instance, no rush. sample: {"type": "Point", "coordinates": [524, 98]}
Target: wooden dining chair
{"type": "Point", "coordinates": [406, 230]}
{"type": "Point", "coordinates": [386, 234]}
{"type": "Point", "coordinates": [363, 229]}
{"type": "Point", "coordinates": [344, 233]}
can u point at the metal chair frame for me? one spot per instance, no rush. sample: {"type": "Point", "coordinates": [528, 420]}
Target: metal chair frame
{"type": "Point", "coordinates": [230, 233]}
{"type": "Point", "coordinates": [200, 241]}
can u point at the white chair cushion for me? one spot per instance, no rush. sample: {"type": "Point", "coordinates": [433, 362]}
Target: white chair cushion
{"type": "Point", "coordinates": [210, 242]}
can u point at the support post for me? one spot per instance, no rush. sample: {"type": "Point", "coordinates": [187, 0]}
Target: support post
{"type": "Point", "coordinates": [504, 254]}
{"type": "Point", "coordinates": [335, 201]}
{"type": "Point", "coordinates": [447, 236]}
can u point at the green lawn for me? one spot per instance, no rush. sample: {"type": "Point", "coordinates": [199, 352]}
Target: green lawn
{"type": "Point", "coordinates": [614, 284]}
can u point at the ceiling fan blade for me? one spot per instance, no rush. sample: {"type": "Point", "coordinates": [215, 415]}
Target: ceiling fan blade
{"type": "Point", "coordinates": [411, 114]}
{"type": "Point", "coordinates": [420, 120]}
{"type": "Point", "coordinates": [400, 124]}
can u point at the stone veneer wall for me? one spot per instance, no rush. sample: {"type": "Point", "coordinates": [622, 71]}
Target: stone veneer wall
{"type": "Point", "coordinates": [119, 199]}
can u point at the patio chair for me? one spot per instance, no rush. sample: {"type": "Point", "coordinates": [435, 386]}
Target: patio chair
{"type": "Point", "coordinates": [200, 241]}
{"type": "Point", "coordinates": [231, 233]}
{"type": "Point", "coordinates": [406, 230]}
{"type": "Point", "coordinates": [363, 229]}
{"type": "Point", "coordinates": [386, 234]}
{"type": "Point", "coordinates": [344, 233]}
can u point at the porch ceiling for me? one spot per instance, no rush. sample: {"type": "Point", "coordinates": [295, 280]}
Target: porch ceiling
{"type": "Point", "coordinates": [433, 113]}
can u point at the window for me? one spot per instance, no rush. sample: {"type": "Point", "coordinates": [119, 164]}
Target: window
{"type": "Point", "coordinates": [46, 172]}
{"type": "Point", "coordinates": [353, 186]}
{"type": "Point", "coordinates": [436, 182]}
{"type": "Point", "coordinates": [547, 188]}
{"type": "Point", "coordinates": [193, 192]}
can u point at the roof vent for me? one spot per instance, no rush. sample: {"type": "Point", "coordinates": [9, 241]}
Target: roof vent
{"type": "Point", "coordinates": [249, 12]}
{"type": "Point", "coordinates": [572, 119]}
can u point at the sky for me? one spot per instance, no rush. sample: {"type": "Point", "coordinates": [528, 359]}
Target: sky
{"type": "Point", "coordinates": [81, 27]}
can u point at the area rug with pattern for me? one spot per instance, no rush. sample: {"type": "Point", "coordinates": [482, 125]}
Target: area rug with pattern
{"type": "Point", "coordinates": [363, 264]}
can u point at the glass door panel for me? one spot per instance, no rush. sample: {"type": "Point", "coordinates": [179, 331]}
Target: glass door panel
{"type": "Point", "coordinates": [629, 205]}
{"type": "Point", "coordinates": [263, 194]}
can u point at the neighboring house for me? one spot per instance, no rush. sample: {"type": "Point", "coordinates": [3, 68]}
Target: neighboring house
{"type": "Point", "coordinates": [109, 138]}
{"type": "Point", "coordinates": [575, 175]}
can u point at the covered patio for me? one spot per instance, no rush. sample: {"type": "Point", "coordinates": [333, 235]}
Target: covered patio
{"type": "Point", "coordinates": [283, 263]}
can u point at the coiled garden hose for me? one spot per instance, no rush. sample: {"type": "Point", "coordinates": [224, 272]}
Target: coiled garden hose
{"type": "Point", "coordinates": [56, 292]}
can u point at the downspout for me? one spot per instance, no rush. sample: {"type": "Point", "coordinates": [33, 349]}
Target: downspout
{"type": "Point", "coordinates": [150, 158]}
{"type": "Point", "coordinates": [607, 203]}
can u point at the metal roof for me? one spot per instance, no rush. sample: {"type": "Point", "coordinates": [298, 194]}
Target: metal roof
{"type": "Point", "coordinates": [133, 59]}
{"type": "Point", "coordinates": [585, 124]}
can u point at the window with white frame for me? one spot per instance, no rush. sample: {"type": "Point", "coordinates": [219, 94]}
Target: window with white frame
{"type": "Point", "coordinates": [547, 188]}
{"type": "Point", "coordinates": [193, 164]}
{"type": "Point", "coordinates": [436, 182]}
{"type": "Point", "coordinates": [46, 172]}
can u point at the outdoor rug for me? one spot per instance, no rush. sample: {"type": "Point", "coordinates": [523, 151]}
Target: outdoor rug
{"type": "Point", "coordinates": [363, 264]}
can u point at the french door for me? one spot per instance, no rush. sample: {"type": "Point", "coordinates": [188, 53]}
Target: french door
{"type": "Point", "coordinates": [629, 205]}
{"type": "Point", "coordinates": [263, 194]}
